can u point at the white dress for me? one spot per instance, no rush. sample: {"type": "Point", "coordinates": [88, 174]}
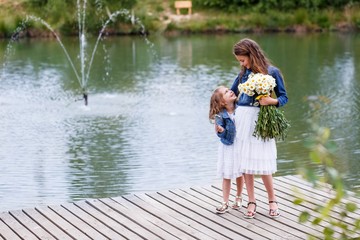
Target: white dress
{"type": "Point", "coordinates": [228, 164]}
{"type": "Point", "coordinates": [256, 156]}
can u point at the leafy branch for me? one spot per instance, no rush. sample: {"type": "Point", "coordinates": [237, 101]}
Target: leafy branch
{"type": "Point", "coordinates": [322, 171]}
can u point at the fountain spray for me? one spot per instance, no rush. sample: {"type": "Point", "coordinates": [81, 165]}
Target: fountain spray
{"type": "Point", "coordinates": [85, 63]}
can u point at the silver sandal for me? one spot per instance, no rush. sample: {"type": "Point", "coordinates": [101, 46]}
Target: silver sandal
{"type": "Point", "coordinates": [237, 203]}
{"type": "Point", "coordinates": [223, 208]}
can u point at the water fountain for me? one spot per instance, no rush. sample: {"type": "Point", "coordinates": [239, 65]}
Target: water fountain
{"type": "Point", "coordinates": [85, 63]}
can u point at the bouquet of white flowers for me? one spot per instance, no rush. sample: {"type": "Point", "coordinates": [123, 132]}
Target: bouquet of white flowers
{"type": "Point", "coordinates": [271, 121]}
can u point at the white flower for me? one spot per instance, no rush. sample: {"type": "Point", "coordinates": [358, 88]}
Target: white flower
{"type": "Point", "coordinates": [258, 83]}
{"type": "Point", "coordinates": [271, 122]}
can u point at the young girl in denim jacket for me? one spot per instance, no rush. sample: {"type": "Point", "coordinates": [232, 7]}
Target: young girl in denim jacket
{"type": "Point", "coordinates": [222, 111]}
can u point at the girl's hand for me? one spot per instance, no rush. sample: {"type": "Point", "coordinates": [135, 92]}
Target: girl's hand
{"type": "Point", "coordinates": [268, 101]}
{"type": "Point", "coordinates": [219, 129]}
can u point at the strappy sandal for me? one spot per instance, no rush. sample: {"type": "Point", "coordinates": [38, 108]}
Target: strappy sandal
{"type": "Point", "coordinates": [237, 203]}
{"type": "Point", "coordinates": [250, 214]}
{"type": "Point", "coordinates": [223, 208]}
{"type": "Point", "coordinates": [274, 213]}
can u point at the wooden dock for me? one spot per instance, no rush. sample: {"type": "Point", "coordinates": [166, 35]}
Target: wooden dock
{"type": "Point", "coordinates": [174, 214]}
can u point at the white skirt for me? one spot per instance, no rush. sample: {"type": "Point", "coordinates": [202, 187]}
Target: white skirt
{"type": "Point", "coordinates": [228, 164]}
{"type": "Point", "coordinates": [256, 156]}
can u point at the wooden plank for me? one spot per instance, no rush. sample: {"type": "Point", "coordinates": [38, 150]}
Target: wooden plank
{"type": "Point", "coordinates": [288, 215]}
{"type": "Point", "coordinates": [170, 223]}
{"type": "Point", "coordinates": [141, 230]}
{"type": "Point", "coordinates": [305, 206]}
{"type": "Point", "coordinates": [183, 4]}
{"type": "Point", "coordinates": [91, 221]}
{"type": "Point", "coordinates": [180, 214]}
{"type": "Point", "coordinates": [320, 192]}
{"type": "Point", "coordinates": [177, 214]}
{"type": "Point", "coordinates": [78, 223]}
{"type": "Point", "coordinates": [216, 221]}
{"type": "Point", "coordinates": [324, 190]}
{"type": "Point", "coordinates": [61, 223]}
{"type": "Point", "coordinates": [242, 225]}
{"type": "Point", "coordinates": [16, 227]}
{"type": "Point", "coordinates": [315, 199]}
{"type": "Point", "coordinates": [335, 214]}
{"type": "Point", "coordinates": [123, 231]}
{"type": "Point", "coordinates": [276, 226]}
{"type": "Point", "coordinates": [262, 222]}
{"type": "Point", "coordinates": [150, 224]}
{"type": "Point", "coordinates": [6, 232]}
{"type": "Point", "coordinates": [286, 203]}
{"type": "Point", "coordinates": [46, 224]}
{"type": "Point", "coordinates": [21, 217]}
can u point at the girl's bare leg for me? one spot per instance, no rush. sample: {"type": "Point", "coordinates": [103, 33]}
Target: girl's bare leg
{"type": "Point", "coordinates": [239, 186]}
{"type": "Point", "coordinates": [226, 186]}
{"type": "Point", "coordinates": [249, 182]}
{"type": "Point", "coordinates": [268, 182]}
{"type": "Point", "coordinates": [273, 208]}
{"type": "Point", "coordinates": [237, 204]}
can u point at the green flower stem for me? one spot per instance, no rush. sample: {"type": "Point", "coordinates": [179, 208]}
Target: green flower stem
{"type": "Point", "coordinates": [271, 123]}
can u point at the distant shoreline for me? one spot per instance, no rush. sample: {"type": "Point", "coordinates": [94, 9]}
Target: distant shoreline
{"type": "Point", "coordinates": [36, 33]}
{"type": "Point", "coordinates": [161, 19]}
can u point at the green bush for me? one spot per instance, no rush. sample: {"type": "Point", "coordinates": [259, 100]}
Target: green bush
{"type": "Point", "coordinates": [266, 5]}
{"type": "Point", "coordinates": [276, 19]}
{"type": "Point", "coordinates": [322, 20]}
{"type": "Point", "coordinates": [354, 12]}
{"type": "Point", "coordinates": [301, 16]}
{"type": "Point", "coordinates": [37, 3]}
{"type": "Point", "coordinates": [257, 20]}
{"type": "Point", "coordinates": [4, 29]}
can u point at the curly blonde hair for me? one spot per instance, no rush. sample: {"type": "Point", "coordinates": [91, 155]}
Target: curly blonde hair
{"type": "Point", "coordinates": [217, 103]}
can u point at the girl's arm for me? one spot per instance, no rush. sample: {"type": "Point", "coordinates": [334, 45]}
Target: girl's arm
{"type": "Point", "coordinates": [220, 126]}
{"type": "Point", "coordinates": [280, 90]}
{"type": "Point", "coordinates": [219, 129]}
{"type": "Point", "coordinates": [222, 134]}
{"type": "Point", "coordinates": [235, 85]}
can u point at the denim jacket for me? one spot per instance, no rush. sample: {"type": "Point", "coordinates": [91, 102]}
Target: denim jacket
{"type": "Point", "coordinates": [228, 135]}
{"type": "Point", "coordinates": [280, 91]}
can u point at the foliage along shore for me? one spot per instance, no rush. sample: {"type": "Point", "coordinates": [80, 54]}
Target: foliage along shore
{"type": "Point", "coordinates": [158, 17]}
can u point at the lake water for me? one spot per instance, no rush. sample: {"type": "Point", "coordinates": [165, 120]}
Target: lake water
{"type": "Point", "coordinates": [146, 127]}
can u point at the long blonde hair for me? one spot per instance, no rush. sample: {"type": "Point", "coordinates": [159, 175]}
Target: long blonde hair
{"type": "Point", "coordinates": [217, 103]}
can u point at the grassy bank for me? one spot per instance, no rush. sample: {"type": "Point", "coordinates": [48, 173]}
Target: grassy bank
{"type": "Point", "coordinates": [255, 20]}
{"type": "Point", "coordinates": [159, 17]}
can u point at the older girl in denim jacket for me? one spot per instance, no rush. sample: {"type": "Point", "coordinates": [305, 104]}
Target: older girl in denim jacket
{"type": "Point", "coordinates": [222, 110]}
{"type": "Point", "coordinates": [257, 157]}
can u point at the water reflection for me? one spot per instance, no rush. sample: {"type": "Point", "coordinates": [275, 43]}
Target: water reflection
{"type": "Point", "coordinates": [146, 126]}
{"type": "Point", "coordinates": [97, 154]}
{"type": "Point", "coordinates": [342, 113]}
